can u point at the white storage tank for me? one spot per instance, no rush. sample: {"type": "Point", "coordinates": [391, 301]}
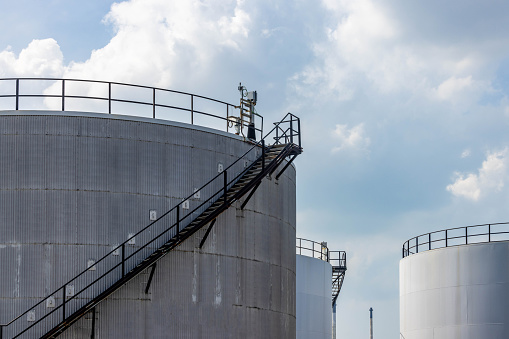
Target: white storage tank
{"type": "Point", "coordinates": [455, 284]}
{"type": "Point", "coordinates": [320, 275]}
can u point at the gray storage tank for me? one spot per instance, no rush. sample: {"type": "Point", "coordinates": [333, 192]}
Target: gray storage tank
{"type": "Point", "coordinates": [76, 185]}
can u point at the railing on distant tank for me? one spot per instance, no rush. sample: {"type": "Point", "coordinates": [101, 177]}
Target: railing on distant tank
{"type": "Point", "coordinates": [312, 249]}
{"type": "Point", "coordinates": [63, 96]}
{"type": "Point", "coordinates": [456, 236]}
{"type": "Point", "coordinates": [124, 257]}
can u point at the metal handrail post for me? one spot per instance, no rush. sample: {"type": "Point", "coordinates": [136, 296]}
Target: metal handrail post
{"type": "Point", "coordinates": [489, 232]}
{"type": "Point", "coordinates": [429, 241]}
{"type": "Point", "coordinates": [466, 235]}
{"type": "Point", "coordinates": [109, 97]}
{"type": "Point", "coordinates": [63, 303]}
{"type": "Point", "coordinates": [298, 126]}
{"type": "Point", "coordinates": [178, 223]}
{"type": "Point", "coordinates": [123, 260]}
{"type": "Point", "coordinates": [445, 238]}
{"type": "Point", "coordinates": [153, 103]}
{"type": "Point", "coordinates": [417, 245]}
{"type": "Point", "coordinates": [63, 95]}
{"type": "Point", "coordinates": [263, 156]}
{"type": "Point", "coordinates": [192, 112]}
{"type": "Point", "coordinates": [225, 189]}
{"type": "Point", "coordinates": [291, 129]}
{"type": "Point", "coordinates": [17, 94]}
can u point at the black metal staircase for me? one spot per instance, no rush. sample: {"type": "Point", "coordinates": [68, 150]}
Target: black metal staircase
{"type": "Point", "coordinates": [82, 293]}
{"type": "Point", "coordinates": [337, 259]}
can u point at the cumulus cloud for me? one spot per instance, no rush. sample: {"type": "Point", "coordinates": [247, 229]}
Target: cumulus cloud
{"type": "Point", "coordinates": [369, 45]}
{"type": "Point", "coordinates": [491, 177]}
{"type": "Point", "coordinates": [350, 138]}
{"type": "Point", "coordinates": [159, 42]}
{"type": "Point", "coordinates": [41, 58]}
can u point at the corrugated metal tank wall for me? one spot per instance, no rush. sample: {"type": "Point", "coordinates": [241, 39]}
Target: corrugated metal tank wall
{"type": "Point", "coordinates": [314, 298]}
{"type": "Point", "coordinates": [455, 292]}
{"type": "Point", "coordinates": [74, 185]}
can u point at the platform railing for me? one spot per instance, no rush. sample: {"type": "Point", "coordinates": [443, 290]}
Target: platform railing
{"type": "Point", "coordinates": [62, 93]}
{"type": "Point", "coordinates": [337, 259]}
{"type": "Point", "coordinates": [313, 249]}
{"type": "Point", "coordinates": [456, 236]}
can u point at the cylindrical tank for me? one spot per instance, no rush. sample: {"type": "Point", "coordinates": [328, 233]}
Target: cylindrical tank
{"type": "Point", "coordinates": [314, 298]}
{"type": "Point", "coordinates": [73, 185]}
{"type": "Point", "coordinates": [455, 292]}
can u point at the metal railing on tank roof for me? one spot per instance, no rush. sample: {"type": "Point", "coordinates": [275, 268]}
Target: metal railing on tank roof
{"type": "Point", "coordinates": [112, 97]}
{"type": "Point", "coordinates": [310, 248]}
{"type": "Point", "coordinates": [456, 236]}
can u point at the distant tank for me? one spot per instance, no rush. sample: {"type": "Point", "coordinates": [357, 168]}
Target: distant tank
{"type": "Point", "coordinates": [320, 276]}
{"type": "Point", "coordinates": [454, 283]}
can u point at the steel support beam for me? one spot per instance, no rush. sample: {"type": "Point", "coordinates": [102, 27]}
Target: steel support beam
{"type": "Point", "coordinates": [150, 278]}
{"type": "Point", "coordinates": [207, 233]}
{"type": "Point", "coordinates": [286, 166]}
{"type": "Point", "coordinates": [250, 195]}
{"type": "Point", "coordinates": [92, 335]}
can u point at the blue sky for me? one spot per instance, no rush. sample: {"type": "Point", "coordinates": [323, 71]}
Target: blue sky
{"type": "Point", "coordinates": [404, 105]}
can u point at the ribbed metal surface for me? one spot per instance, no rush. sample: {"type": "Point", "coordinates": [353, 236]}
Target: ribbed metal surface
{"type": "Point", "coordinates": [72, 187]}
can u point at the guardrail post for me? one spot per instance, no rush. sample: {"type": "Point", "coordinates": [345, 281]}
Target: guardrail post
{"type": "Point", "coordinates": [192, 113]}
{"type": "Point", "coordinates": [429, 241]}
{"type": "Point", "coordinates": [109, 97]}
{"type": "Point", "coordinates": [63, 95]}
{"type": "Point", "coordinates": [178, 222]}
{"type": "Point", "coordinates": [298, 126]}
{"type": "Point", "coordinates": [403, 251]}
{"type": "Point", "coordinates": [489, 232]}
{"type": "Point", "coordinates": [123, 260]}
{"type": "Point", "coordinates": [445, 238]}
{"type": "Point", "coordinates": [291, 129]}
{"type": "Point", "coordinates": [63, 303]}
{"type": "Point", "coordinates": [153, 103]}
{"type": "Point", "coordinates": [466, 235]}
{"type": "Point", "coordinates": [263, 155]}
{"type": "Point", "coordinates": [225, 180]}
{"type": "Point", "coordinates": [417, 245]}
{"type": "Point", "coordinates": [17, 94]}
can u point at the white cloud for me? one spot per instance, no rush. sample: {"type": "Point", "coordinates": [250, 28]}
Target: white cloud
{"type": "Point", "coordinates": [41, 58]}
{"type": "Point", "coordinates": [350, 139]}
{"type": "Point", "coordinates": [491, 177]}
{"type": "Point", "coordinates": [369, 46]}
{"type": "Point", "coordinates": [161, 42]}
{"type": "Point", "coordinates": [466, 153]}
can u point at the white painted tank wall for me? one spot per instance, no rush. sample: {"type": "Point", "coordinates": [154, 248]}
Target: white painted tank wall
{"type": "Point", "coordinates": [314, 298]}
{"type": "Point", "coordinates": [459, 292]}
